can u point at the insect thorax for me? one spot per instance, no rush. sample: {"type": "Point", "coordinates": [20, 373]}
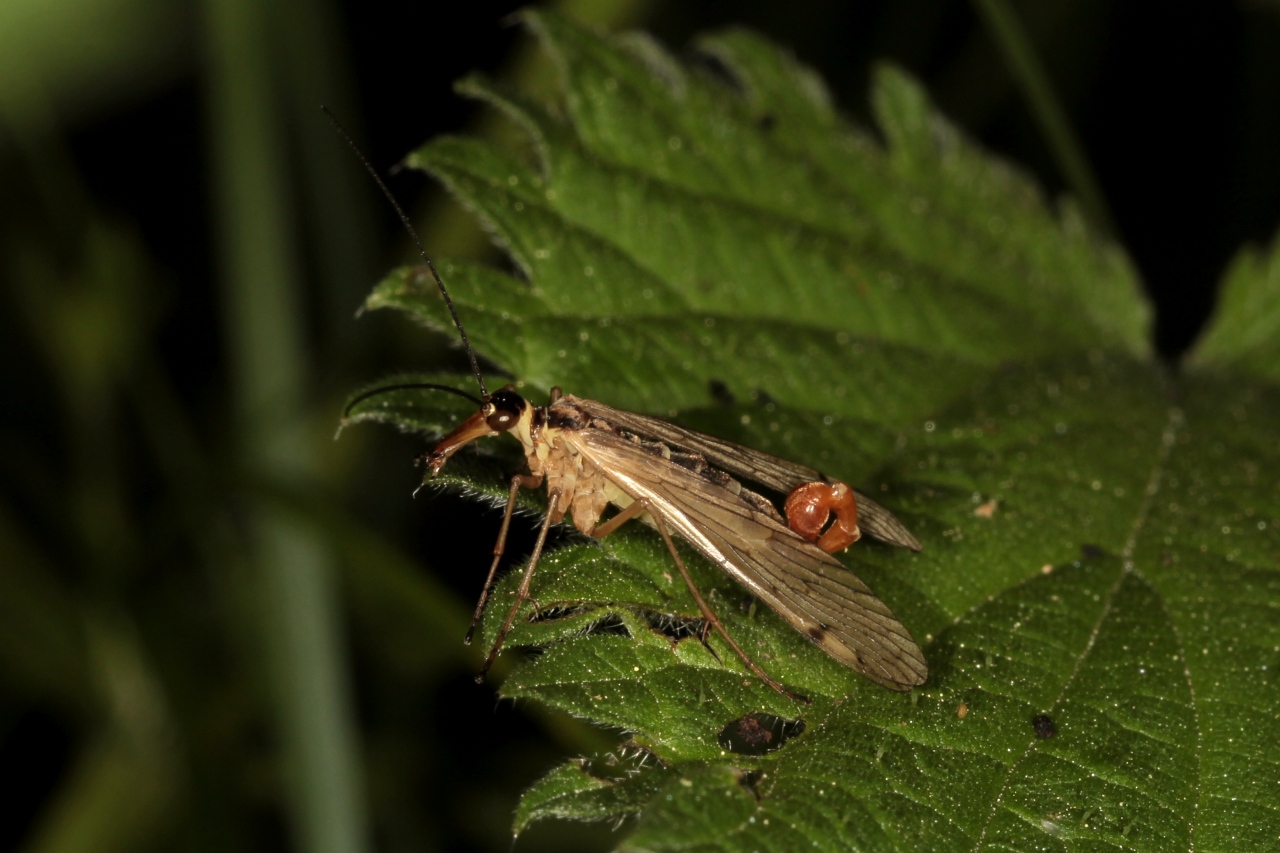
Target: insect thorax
{"type": "Point", "coordinates": [588, 489]}
{"type": "Point", "coordinates": [584, 490]}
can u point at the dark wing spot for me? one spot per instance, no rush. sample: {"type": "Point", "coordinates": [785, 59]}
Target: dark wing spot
{"type": "Point", "coordinates": [761, 505]}
{"type": "Point", "coordinates": [655, 448]}
{"type": "Point", "coordinates": [690, 461]}
{"type": "Point", "coordinates": [817, 633]}
{"type": "Point", "coordinates": [719, 478]}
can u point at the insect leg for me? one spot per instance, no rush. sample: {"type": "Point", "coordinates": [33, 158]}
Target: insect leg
{"type": "Point", "coordinates": [704, 635]}
{"type": "Point", "coordinates": [714, 620]}
{"type": "Point", "coordinates": [636, 508]}
{"type": "Point", "coordinates": [518, 482]}
{"type": "Point", "coordinates": [523, 592]}
{"type": "Point", "coordinates": [603, 530]}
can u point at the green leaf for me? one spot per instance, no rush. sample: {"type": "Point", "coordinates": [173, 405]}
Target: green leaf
{"type": "Point", "coordinates": [1100, 537]}
{"type": "Point", "coordinates": [1244, 335]}
{"type": "Point", "coordinates": [570, 791]}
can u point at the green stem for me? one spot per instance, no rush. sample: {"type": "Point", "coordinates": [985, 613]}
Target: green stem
{"type": "Point", "coordinates": [1030, 76]}
{"type": "Point", "coordinates": [293, 588]}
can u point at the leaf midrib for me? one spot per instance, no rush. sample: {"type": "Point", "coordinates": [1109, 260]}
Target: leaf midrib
{"type": "Point", "coordinates": [1168, 440]}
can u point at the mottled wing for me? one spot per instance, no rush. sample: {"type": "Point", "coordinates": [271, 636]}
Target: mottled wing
{"type": "Point", "coordinates": [740, 461]}
{"type": "Point", "coordinates": [878, 523]}
{"type": "Point", "coordinates": [807, 586]}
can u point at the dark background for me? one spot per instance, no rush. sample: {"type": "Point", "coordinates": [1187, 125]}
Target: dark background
{"type": "Point", "coordinates": [126, 490]}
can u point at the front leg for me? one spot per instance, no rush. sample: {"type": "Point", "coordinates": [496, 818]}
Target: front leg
{"type": "Point", "coordinates": [523, 592]}
{"type": "Point", "coordinates": [518, 482]}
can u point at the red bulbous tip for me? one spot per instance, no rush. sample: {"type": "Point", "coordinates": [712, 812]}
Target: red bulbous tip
{"type": "Point", "coordinates": [810, 507]}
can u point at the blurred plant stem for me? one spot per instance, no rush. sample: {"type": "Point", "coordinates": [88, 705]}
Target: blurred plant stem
{"type": "Point", "coordinates": [337, 201]}
{"type": "Point", "coordinates": [84, 308]}
{"type": "Point", "coordinates": [293, 586]}
{"type": "Point", "coordinates": [1028, 73]}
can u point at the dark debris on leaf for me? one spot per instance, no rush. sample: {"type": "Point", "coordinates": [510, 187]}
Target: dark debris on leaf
{"type": "Point", "coordinates": [750, 779]}
{"type": "Point", "coordinates": [720, 392]}
{"type": "Point", "coordinates": [758, 733]}
{"type": "Point", "coordinates": [1044, 726]}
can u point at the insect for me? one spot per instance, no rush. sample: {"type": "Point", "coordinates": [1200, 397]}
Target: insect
{"type": "Point", "coordinates": [591, 457]}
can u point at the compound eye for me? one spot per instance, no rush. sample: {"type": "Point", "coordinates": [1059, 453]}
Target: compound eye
{"type": "Point", "coordinates": [504, 410]}
{"type": "Point", "coordinates": [500, 421]}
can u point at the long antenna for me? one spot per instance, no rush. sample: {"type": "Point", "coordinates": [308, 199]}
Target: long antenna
{"type": "Point", "coordinates": [405, 386]}
{"type": "Point", "coordinates": [475, 365]}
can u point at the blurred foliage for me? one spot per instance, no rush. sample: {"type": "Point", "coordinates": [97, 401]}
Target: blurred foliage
{"type": "Point", "coordinates": [195, 592]}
